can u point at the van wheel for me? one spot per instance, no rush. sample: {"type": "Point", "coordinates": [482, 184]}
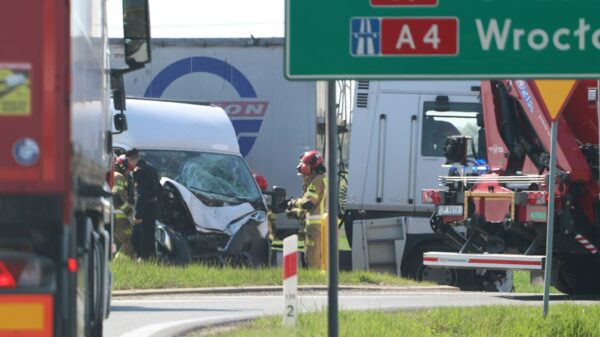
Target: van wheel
{"type": "Point", "coordinates": [181, 255]}
{"type": "Point", "coordinates": [254, 258]}
{"type": "Point", "coordinates": [261, 253]}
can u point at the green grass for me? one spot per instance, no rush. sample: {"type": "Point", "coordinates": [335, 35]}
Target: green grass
{"type": "Point", "coordinates": [564, 320]}
{"type": "Point", "coordinates": [149, 275]}
{"type": "Point", "coordinates": [522, 284]}
{"type": "Point", "coordinates": [130, 275]}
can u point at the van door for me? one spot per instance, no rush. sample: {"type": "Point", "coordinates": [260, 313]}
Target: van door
{"type": "Point", "coordinates": [442, 116]}
{"type": "Point", "coordinates": [387, 182]}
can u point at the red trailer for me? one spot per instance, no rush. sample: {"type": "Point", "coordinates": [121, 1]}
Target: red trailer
{"type": "Point", "coordinates": [55, 158]}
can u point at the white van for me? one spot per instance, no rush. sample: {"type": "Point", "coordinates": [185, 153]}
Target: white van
{"type": "Point", "coordinates": [210, 198]}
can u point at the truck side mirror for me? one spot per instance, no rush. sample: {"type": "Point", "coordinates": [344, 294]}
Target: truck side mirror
{"type": "Point", "coordinates": [278, 195]}
{"type": "Point", "coordinates": [136, 32]}
{"type": "Point", "coordinates": [120, 121]}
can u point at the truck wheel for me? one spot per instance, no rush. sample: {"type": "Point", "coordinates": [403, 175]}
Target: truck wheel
{"type": "Point", "coordinates": [578, 274]}
{"type": "Point", "coordinates": [414, 268]}
{"type": "Point", "coordinates": [181, 255]}
{"type": "Point", "coordinates": [96, 293]}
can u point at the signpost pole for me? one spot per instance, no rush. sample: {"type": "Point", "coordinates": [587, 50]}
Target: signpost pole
{"type": "Point", "coordinates": [332, 201]}
{"type": "Point", "coordinates": [550, 227]}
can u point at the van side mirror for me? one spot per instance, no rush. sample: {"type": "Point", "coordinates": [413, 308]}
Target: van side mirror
{"type": "Point", "coordinates": [136, 32]}
{"type": "Point", "coordinates": [278, 199]}
{"type": "Point", "coordinates": [120, 121]}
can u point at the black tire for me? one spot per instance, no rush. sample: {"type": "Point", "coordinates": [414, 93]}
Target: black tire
{"type": "Point", "coordinates": [261, 253]}
{"type": "Point", "coordinates": [182, 254]}
{"type": "Point", "coordinates": [95, 287]}
{"type": "Point", "coordinates": [578, 274]}
{"type": "Point", "coordinates": [414, 268]}
{"type": "Point", "coordinates": [68, 280]}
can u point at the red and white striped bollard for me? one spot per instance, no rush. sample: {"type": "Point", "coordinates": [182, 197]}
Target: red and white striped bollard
{"type": "Point", "coordinates": [290, 280]}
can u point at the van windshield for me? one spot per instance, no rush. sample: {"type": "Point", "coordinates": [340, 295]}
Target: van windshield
{"type": "Point", "coordinates": [214, 175]}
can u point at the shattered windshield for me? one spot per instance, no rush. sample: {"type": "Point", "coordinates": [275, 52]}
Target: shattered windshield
{"type": "Point", "coordinates": [220, 176]}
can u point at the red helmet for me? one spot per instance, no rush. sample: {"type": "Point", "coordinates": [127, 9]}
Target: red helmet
{"type": "Point", "coordinates": [309, 160]}
{"type": "Point", "coordinates": [121, 163]}
{"type": "Point", "coordinates": [262, 182]}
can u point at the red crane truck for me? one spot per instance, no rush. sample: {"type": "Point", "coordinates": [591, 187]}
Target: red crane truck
{"type": "Point", "coordinates": [498, 188]}
{"type": "Point", "coordinates": [55, 162]}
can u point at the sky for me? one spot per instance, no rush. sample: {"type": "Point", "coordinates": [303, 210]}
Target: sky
{"type": "Point", "coordinates": [207, 19]}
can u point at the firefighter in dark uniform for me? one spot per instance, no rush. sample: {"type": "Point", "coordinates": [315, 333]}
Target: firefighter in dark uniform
{"type": "Point", "coordinates": [147, 192]}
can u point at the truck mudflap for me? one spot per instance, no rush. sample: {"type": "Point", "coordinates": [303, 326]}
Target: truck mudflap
{"type": "Point", "coordinates": [485, 261]}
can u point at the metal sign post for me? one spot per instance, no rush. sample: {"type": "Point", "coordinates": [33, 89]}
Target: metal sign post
{"type": "Point", "coordinates": [550, 228]}
{"type": "Point", "coordinates": [332, 201]}
{"type": "Point", "coordinates": [555, 94]}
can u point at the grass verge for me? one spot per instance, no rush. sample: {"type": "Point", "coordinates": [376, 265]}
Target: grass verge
{"type": "Point", "coordinates": [149, 275]}
{"type": "Point", "coordinates": [522, 284]}
{"type": "Point", "coordinates": [490, 321]}
{"type": "Point", "coordinates": [130, 275]}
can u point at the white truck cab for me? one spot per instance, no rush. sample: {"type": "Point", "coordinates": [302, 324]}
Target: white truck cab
{"type": "Point", "coordinates": [397, 137]}
{"type": "Point", "coordinates": [210, 197]}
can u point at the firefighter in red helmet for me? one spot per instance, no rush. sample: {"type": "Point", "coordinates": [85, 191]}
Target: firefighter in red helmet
{"type": "Point", "coordinates": [311, 207]}
{"type": "Point", "coordinates": [123, 210]}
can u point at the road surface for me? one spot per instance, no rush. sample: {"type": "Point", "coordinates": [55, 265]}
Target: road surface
{"type": "Point", "coordinates": [167, 315]}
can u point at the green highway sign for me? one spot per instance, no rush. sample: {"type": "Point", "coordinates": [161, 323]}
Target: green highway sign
{"type": "Point", "coordinates": [442, 39]}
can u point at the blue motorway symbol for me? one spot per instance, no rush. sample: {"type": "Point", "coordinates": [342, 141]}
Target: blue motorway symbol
{"type": "Point", "coordinates": [366, 36]}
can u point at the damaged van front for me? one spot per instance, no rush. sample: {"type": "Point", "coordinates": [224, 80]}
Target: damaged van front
{"type": "Point", "coordinates": [211, 207]}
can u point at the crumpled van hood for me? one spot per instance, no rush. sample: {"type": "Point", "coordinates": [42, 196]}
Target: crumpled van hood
{"type": "Point", "coordinates": [207, 217]}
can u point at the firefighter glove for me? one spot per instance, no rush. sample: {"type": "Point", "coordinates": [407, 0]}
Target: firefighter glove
{"type": "Point", "coordinates": [291, 204]}
{"type": "Point", "coordinates": [291, 214]}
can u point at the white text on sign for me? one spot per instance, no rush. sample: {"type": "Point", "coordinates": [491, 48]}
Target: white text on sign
{"type": "Point", "coordinates": [404, 36]}
{"type": "Point", "coordinates": [579, 36]}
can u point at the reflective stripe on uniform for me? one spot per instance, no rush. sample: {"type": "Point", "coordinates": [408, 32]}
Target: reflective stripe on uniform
{"type": "Point", "coordinates": [125, 208]}
{"type": "Point", "coordinates": [119, 214]}
{"type": "Point", "coordinates": [314, 219]}
{"type": "Point", "coordinates": [312, 195]}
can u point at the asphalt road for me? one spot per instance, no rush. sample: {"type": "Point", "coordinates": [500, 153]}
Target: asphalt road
{"type": "Point", "coordinates": [168, 315]}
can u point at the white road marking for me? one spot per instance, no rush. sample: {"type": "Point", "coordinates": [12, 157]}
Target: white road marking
{"type": "Point", "coordinates": [152, 329]}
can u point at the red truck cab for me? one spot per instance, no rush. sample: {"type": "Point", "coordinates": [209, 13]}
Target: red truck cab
{"type": "Point", "coordinates": [55, 153]}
